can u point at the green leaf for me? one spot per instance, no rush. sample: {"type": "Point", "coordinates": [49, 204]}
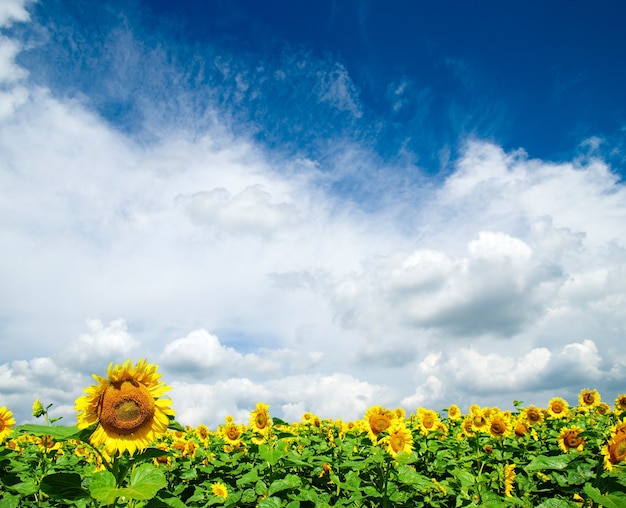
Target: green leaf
{"type": "Point", "coordinates": [145, 481]}
{"type": "Point", "coordinates": [171, 500]}
{"type": "Point", "coordinates": [63, 486]}
{"type": "Point", "coordinates": [291, 481]}
{"type": "Point", "coordinates": [25, 488]}
{"type": "Point", "coordinates": [270, 502]}
{"type": "Point", "coordinates": [174, 425]}
{"type": "Point", "coordinates": [10, 501]}
{"type": "Point", "coordinates": [272, 454]}
{"type": "Point", "coordinates": [409, 476]}
{"type": "Point", "coordinates": [557, 503]}
{"type": "Point", "coordinates": [102, 487]}
{"type": "Point", "coordinates": [465, 477]}
{"type": "Point", "coordinates": [543, 462]}
{"type": "Point", "coordinates": [149, 454]}
{"type": "Point", "coordinates": [605, 500]}
{"type": "Point", "coordinates": [57, 432]}
{"type": "Point", "coordinates": [251, 476]}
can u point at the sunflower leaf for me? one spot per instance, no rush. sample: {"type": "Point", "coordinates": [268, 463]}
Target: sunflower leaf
{"type": "Point", "coordinates": [56, 432]}
{"type": "Point", "coordinates": [63, 486]}
{"type": "Point", "coordinates": [149, 454]}
{"type": "Point", "coordinates": [102, 487]}
{"type": "Point", "coordinates": [545, 462]}
{"type": "Point", "coordinates": [145, 481]}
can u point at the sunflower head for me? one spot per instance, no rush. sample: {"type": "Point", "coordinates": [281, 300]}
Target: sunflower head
{"type": "Point", "coordinates": [126, 406]}
{"type": "Point", "coordinates": [6, 423]}
{"type": "Point", "coordinates": [378, 420]}
{"type": "Point", "coordinates": [533, 415]}
{"type": "Point", "coordinates": [558, 408]}
{"type": "Point", "coordinates": [454, 413]}
{"type": "Point", "coordinates": [260, 420]}
{"type": "Point", "coordinates": [570, 439]}
{"type": "Point", "coordinates": [615, 450]}
{"type": "Point", "coordinates": [398, 439]}
{"type": "Point", "coordinates": [588, 399]}
{"type": "Point", "coordinates": [509, 479]}
{"type": "Point", "coordinates": [427, 420]}
{"type": "Point", "coordinates": [499, 425]}
{"type": "Point", "coordinates": [219, 490]}
{"type": "Point", "coordinates": [620, 403]}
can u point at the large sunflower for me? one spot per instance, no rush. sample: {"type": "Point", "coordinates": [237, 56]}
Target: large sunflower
{"type": "Point", "coordinates": [615, 450]}
{"type": "Point", "coordinates": [427, 420]}
{"type": "Point", "coordinates": [588, 399]}
{"type": "Point", "coordinates": [569, 439]}
{"type": "Point", "coordinates": [500, 425]}
{"type": "Point", "coordinates": [398, 439]}
{"type": "Point", "coordinates": [261, 421]}
{"type": "Point", "coordinates": [378, 419]}
{"type": "Point", "coordinates": [127, 406]}
{"type": "Point", "coordinates": [6, 422]}
{"type": "Point", "coordinates": [558, 408]}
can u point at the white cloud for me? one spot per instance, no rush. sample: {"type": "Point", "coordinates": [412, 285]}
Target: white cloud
{"type": "Point", "coordinates": [250, 212]}
{"type": "Point", "coordinates": [13, 10]}
{"type": "Point", "coordinates": [337, 89]}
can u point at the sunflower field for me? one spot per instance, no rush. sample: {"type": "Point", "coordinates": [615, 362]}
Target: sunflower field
{"type": "Point", "coordinates": [128, 450]}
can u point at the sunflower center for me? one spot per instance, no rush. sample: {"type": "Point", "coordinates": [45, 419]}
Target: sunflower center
{"type": "Point", "coordinates": [497, 428]}
{"type": "Point", "coordinates": [397, 442]}
{"type": "Point", "coordinates": [261, 420]}
{"type": "Point", "coordinates": [618, 450]}
{"type": "Point", "coordinates": [572, 440]}
{"type": "Point", "coordinates": [478, 421]}
{"type": "Point", "coordinates": [428, 421]}
{"type": "Point", "coordinates": [520, 429]}
{"type": "Point", "coordinates": [378, 423]}
{"type": "Point", "coordinates": [533, 416]}
{"type": "Point", "coordinates": [2, 425]}
{"type": "Point", "coordinates": [232, 432]}
{"type": "Point", "coordinates": [126, 407]}
{"type": "Point", "coordinates": [588, 398]}
{"type": "Point", "coordinates": [557, 408]}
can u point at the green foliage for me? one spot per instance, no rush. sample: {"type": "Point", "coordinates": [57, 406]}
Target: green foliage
{"type": "Point", "coordinates": [319, 463]}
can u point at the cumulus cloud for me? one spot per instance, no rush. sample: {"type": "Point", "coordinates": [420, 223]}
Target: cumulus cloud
{"type": "Point", "coordinates": [13, 11]}
{"type": "Point", "coordinates": [311, 284]}
{"type": "Point", "coordinates": [250, 212]}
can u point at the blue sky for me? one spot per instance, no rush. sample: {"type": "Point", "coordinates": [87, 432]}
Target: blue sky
{"type": "Point", "coordinates": [322, 206]}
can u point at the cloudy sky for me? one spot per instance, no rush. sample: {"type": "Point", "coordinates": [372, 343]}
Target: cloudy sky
{"type": "Point", "coordinates": [318, 205]}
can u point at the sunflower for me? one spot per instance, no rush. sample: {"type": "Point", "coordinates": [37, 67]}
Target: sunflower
{"type": "Point", "coordinates": [454, 413]}
{"type": "Point", "coordinates": [427, 420]}
{"type": "Point", "coordinates": [569, 439]}
{"type": "Point", "coordinates": [479, 418]}
{"type": "Point", "coordinates": [500, 425]}
{"type": "Point", "coordinates": [615, 450]}
{"type": "Point", "coordinates": [260, 420]}
{"type": "Point", "coordinates": [558, 408]}
{"type": "Point", "coordinates": [6, 422]}
{"type": "Point", "coordinates": [620, 403]}
{"type": "Point", "coordinates": [231, 433]}
{"type": "Point", "coordinates": [38, 409]}
{"type": "Point", "coordinates": [588, 399]}
{"type": "Point", "coordinates": [532, 415]}
{"type": "Point", "coordinates": [126, 406]}
{"type": "Point", "coordinates": [398, 439]}
{"type": "Point", "coordinates": [467, 429]}
{"type": "Point", "coordinates": [378, 420]}
{"type": "Point", "coordinates": [509, 479]}
{"type": "Point", "coordinates": [520, 427]}
{"type": "Point", "coordinates": [219, 490]}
